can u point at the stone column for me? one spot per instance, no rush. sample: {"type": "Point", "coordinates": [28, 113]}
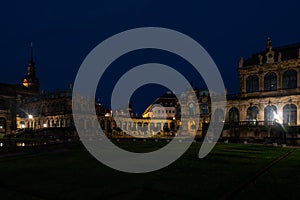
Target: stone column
{"type": "Point", "coordinates": [279, 80]}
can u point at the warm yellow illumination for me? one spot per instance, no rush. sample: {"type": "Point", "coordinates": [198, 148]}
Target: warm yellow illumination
{"type": "Point", "coordinates": [30, 116]}
{"type": "Point", "coordinates": [25, 82]}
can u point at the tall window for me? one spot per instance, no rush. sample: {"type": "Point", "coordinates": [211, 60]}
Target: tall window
{"type": "Point", "coordinates": [219, 115]}
{"type": "Point", "coordinates": [290, 114]}
{"type": "Point", "coordinates": [204, 108]}
{"type": "Point", "coordinates": [192, 108]}
{"type": "Point", "coordinates": [252, 113]}
{"type": "Point", "coordinates": [270, 113]}
{"type": "Point", "coordinates": [252, 83]}
{"type": "Point", "coordinates": [289, 80]}
{"type": "Point", "coordinates": [234, 115]}
{"type": "Point", "coordinates": [22, 124]}
{"type": "Point", "coordinates": [152, 126]}
{"type": "Point", "coordinates": [270, 81]}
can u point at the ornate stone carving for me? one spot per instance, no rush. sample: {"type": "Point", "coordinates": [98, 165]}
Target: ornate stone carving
{"type": "Point", "coordinates": [260, 57]}
{"type": "Point", "coordinates": [241, 62]}
{"type": "Point", "coordinates": [279, 57]}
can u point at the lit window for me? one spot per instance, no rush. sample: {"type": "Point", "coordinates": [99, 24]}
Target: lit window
{"type": "Point", "coordinates": [270, 81]}
{"type": "Point", "coordinates": [290, 114]}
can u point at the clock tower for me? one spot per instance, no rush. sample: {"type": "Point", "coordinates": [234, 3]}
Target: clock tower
{"type": "Point", "coordinates": [31, 81]}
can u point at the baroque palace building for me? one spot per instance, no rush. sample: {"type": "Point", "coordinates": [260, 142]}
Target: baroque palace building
{"type": "Point", "coordinates": [267, 105]}
{"type": "Point", "coordinates": [269, 87]}
{"type": "Point", "coordinates": [269, 92]}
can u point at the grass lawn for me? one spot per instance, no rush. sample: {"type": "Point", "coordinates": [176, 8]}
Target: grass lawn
{"type": "Point", "coordinates": [75, 174]}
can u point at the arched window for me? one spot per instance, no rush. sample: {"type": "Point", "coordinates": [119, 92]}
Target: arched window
{"type": "Point", "coordinates": [139, 125]}
{"type": "Point", "coordinates": [158, 125]}
{"type": "Point", "coordinates": [124, 126]}
{"type": "Point", "coordinates": [290, 114]}
{"type": "Point", "coordinates": [234, 115]}
{"type": "Point", "coordinates": [151, 126]}
{"type": "Point", "coordinates": [204, 108]}
{"type": "Point", "coordinates": [219, 115]}
{"type": "Point", "coordinates": [192, 109]}
{"type": "Point", "coordinates": [270, 113]}
{"type": "Point", "coordinates": [252, 83]}
{"type": "Point", "coordinates": [289, 79]}
{"type": "Point", "coordinates": [145, 127]}
{"type": "Point", "coordinates": [2, 125]}
{"type": "Point", "coordinates": [22, 124]}
{"type": "Point", "coordinates": [270, 81]}
{"type": "Point", "coordinates": [252, 113]}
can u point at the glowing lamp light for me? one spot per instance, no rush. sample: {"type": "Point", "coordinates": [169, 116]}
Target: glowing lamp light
{"type": "Point", "coordinates": [30, 116]}
{"type": "Point", "coordinates": [22, 125]}
{"type": "Point", "coordinates": [45, 125]}
{"type": "Point", "coordinates": [276, 116]}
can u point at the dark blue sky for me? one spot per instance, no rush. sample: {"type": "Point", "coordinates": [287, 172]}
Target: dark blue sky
{"type": "Point", "coordinates": [64, 32]}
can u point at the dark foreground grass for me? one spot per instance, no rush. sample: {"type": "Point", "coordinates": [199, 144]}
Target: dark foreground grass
{"type": "Point", "coordinates": [281, 182]}
{"type": "Point", "coordinates": [74, 174]}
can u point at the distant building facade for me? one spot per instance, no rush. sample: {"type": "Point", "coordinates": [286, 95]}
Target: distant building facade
{"type": "Point", "coordinates": [162, 107]}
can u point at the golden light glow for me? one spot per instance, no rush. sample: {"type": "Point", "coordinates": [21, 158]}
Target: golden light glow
{"type": "Point", "coordinates": [25, 82]}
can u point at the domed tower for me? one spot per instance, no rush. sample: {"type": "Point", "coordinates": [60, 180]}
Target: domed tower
{"type": "Point", "coordinates": [31, 81]}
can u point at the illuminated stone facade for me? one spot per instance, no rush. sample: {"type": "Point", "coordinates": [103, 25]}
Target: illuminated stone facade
{"type": "Point", "coordinates": [163, 107]}
{"type": "Point", "coordinates": [10, 100]}
{"type": "Point", "coordinates": [269, 92]}
{"type": "Point", "coordinates": [269, 87]}
{"type": "Point", "coordinates": [46, 110]}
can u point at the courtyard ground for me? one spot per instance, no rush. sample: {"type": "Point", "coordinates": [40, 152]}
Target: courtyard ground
{"type": "Point", "coordinates": [230, 171]}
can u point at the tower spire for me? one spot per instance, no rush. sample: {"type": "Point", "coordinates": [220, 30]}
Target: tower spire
{"type": "Point", "coordinates": [31, 81]}
{"type": "Point", "coordinates": [31, 51]}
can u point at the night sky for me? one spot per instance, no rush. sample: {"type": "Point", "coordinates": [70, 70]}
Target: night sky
{"type": "Point", "coordinates": [64, 32]}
